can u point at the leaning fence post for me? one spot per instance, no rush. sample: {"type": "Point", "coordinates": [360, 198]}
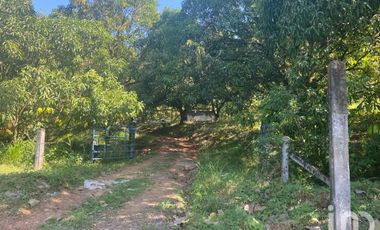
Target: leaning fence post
{"type": "Point", "coordinates": [40, 148]}
{"type": "Point", "coordinates": [285, 159]}
{"type": "Point", "coordinates": [339, 158]}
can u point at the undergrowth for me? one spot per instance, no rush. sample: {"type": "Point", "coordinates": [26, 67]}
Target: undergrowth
{"type": "Point", "coordinates": [237, 187]}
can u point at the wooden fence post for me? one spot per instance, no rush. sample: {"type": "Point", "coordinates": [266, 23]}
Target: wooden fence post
{"type": "Point", "coordinates": [338, 133]}
{"type": "Point", "coordinates": [285, 159]}
{"type": "Point", "coordinates": [40, 148]}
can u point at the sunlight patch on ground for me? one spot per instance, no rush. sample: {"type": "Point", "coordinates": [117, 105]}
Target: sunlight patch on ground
{"type": "Point", "coordinates": [6, 169]}
{"type": "Point", "coordinates": [56, 201]}
{"type": "Point", "coordinates": [24, 211]}
{"type": "Point", "coordinates": [178, 199]}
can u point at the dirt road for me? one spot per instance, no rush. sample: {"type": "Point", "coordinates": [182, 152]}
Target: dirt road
{"type": "Point", "coordinates": [168, 170]}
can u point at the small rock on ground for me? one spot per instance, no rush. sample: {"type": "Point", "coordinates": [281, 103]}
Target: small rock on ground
{"type": "Point", "coordinates": [33, 202]}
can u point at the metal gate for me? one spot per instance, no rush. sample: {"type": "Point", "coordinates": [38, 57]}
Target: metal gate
{"type": "Point", "coordinates": [114, 143]}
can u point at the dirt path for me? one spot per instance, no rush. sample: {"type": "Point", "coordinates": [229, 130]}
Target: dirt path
{"type": "Point", "coordinates": [142, 211]}
{"type": "Point", "coordinates": [166, 176]}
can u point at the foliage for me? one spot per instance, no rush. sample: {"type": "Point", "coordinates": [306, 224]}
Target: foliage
{"type": "Point", "coordinates": [276, 52]}
{"type": "Point", "coordinates": [128, 21]}
{"type": "Point", "coordinates": [184, 65]}
{"type": "Point", "coordinates": [365, 157]}
{"type": "Point", "coordinates": [59, 73]}
{"type": "Point", "coordinates": [161, 79]}
{"type": "Point", "coordinates": [303, 49]}
{"type": "Point", "coordinates": [71, 70]}
{"type": "Point", "coordinates": [259, 61]}
{"type": "Point", "coordinates": [19, 153]}
{"type": "Point", "coordinates": [42, 98]}
{"type": "Point", "coordinates": [231, 175]}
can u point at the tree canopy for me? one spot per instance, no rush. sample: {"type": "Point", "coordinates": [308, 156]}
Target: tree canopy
{"type": "Point", "coordinates": [60, 72]}
{"type": "Point", "coordinates": [269, 57]}
{"type": "Point", "coordinates": [100, 62]}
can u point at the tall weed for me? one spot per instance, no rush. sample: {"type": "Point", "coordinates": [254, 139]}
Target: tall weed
{"type": "Point", "coordinates": [19, 153]}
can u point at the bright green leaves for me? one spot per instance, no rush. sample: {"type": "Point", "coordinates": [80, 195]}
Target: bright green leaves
{"type": "Point", "coordinates": [189, 64]}
{"type": "Point", "coordinates": [104, 101]}
{"type": "Point", "coordinates": [162, 79]}
{"type": "Point", "coordinates": [127, 19]}
{"type": "Point", "coordinates": [40, 97]}
{"type": "Point", "coordinates": [80, 45]}
{"type": "Point", "coordinates": [10, 8]}
{"type": "Point", "coordinates": [12, 49]}
{"type": "Point", "coordinates": [60, 73]}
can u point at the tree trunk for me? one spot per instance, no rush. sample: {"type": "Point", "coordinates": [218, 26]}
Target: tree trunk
{"type": "Point", "coordinates": [15, 134]}
{"type": "Point", "coordinates": [14, 130]}
{"type": "Point", "coordinates": [216, 114]}
{"type": "Point", "coordinates": [216, 110]}
{"type": "Point", "coordinates": [183, 116]}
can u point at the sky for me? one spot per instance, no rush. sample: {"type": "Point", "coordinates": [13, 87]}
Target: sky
{"type": "Point", "coordinates": [45, 6]}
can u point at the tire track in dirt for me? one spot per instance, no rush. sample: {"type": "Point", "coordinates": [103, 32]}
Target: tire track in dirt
{"type": "Point", "coordinates": [141, 212]}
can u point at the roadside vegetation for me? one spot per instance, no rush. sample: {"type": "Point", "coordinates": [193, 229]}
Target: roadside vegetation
{"type": "Point", "coordinates": [63, 169]}
{"type": "Point", "coordinates": [235, 187]}
{"type": "Point", "coordinates": [67, 73]}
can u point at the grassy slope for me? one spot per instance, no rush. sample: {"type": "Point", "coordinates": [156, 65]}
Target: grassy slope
{"type": "Point", "coordinates": [231, 176]}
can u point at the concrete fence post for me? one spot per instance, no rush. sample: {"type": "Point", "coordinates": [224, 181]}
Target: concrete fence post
{"type": "Point", "coordinates": [338, 134]}
{"type": "Point", "coordinates": [285, 159]}
{"type": "Point", "coordinates": [40, 149]}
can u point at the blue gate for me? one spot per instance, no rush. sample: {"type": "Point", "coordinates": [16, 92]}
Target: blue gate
{"type": "Point", "coordinates": [114, 143]}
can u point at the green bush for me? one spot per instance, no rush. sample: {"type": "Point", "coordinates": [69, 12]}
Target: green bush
{"type": "Point", "coordinates": [61, 154]}
{"type": "Point", "coordinates": [371, 152]}
{"type": "Point", "coordinates": [19, 153]}
{"type": "Point", "coordinates": [364, 157]}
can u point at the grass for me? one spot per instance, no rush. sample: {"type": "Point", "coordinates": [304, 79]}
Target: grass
{"type": "Point", "coordinates": [154, 227]}
{"type": "Point", "coordinates": [175, 205]}
{"type": "Point", "coordinates": [84, 216]}
{"type": "Point", "coordinates": [167, 206]}
{"type": "Point", "coordinates": [231, 176]}
{"type": "Point", "coordinates": [164, 163]}
{"type": "Point", "coordinates": [7, 169]}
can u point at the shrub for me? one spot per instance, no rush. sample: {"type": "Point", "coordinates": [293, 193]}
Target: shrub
{"type": "Point", "coordinates": [364, 157]}
{"type": "Point", "coordinates": [19, 153]}
{"type": "Point", "coordinates": [61, 154]}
